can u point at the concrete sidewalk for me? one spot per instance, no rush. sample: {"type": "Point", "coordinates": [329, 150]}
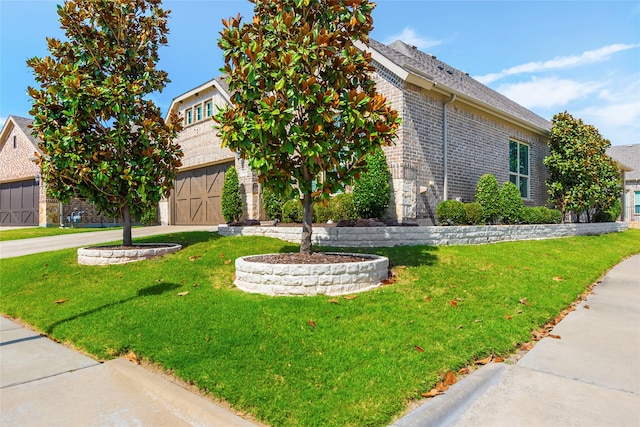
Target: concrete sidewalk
{"type": "Point", "coordinates": [588, 377]}
{"type": "Point", "coordinates": [43, 383]}
{"type": "Point", "coordinates": [14, 248]}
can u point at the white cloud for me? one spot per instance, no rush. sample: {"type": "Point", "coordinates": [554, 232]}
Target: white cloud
{"type": "Point", "coordinates": [559, 62]}
{"type": "Point", "coordinates": [547, 92]}
{"type": "Point", "coordinates": [409, 36]}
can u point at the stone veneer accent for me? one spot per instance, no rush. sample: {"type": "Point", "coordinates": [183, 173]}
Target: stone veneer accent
{"type": "Point", "coordinates": [106, 256]}
{"type": "Point", "coordinates": [311, 279]}
{"type": "Point", "coordinates": [372, 237]}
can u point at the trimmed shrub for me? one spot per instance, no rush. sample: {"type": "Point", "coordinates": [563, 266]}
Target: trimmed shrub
{"type": "Point", "coordinates": [540, 215]}
{"type": "Point", "coordinates": [609, 215]}
{"type": "Point", "coordinates": [372, 192]}
{"type": "Point", "coordinates": [343, 207]}
{"type": "Point", "coordinates": [475, 213]}
{"type": "Point", "coordinates": [488, 195]}
{"type": "Point", "coordinates": [272, 204]}
{"type": "Point", "coordinates": [231, 200]}
{"type": "Point", "coordinates": [511, 203]}
{"type": "Point", "coordinates": [451, 212]}
{"type": "Point", "coordinates": [322, 212]}
{"type": "Point", "coordinates": [292, 211]}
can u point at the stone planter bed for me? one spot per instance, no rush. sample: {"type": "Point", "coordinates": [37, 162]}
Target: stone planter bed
{"type": "Point", "coordinates": [256, 274]}
{"type": "Point", "coordinates": [105, 255]}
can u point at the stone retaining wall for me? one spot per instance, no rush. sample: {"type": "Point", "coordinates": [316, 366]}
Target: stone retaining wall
{"type": "Point", "coordinates": [107, 256]}
{"type": "Point", "coordinates": [351, 237]}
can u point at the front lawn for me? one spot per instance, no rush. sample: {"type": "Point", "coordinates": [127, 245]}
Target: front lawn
{"type": "Point", "coordinates": [329, 361]}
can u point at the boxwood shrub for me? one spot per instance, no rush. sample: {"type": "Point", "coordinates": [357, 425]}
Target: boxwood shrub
{"type": "Point", "coordinates": [451, 212]}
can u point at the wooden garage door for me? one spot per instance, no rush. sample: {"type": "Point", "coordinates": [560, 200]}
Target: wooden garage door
{"type": "Point", "coordinates": [197, 196]}
{"type": "Point", "coordinates": [19, 203]}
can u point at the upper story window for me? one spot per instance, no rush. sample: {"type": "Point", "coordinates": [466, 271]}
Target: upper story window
{"type": "Point", "coordinates": [198, 112]}
{"type": "Point", "coordinates": [15, 142]}
{"type": "Point", "coordinates": [209, 108]}
{"type": "Point", "coordinates": [189, 116]}
{"type": "Point", "coordinates": [519, 172]}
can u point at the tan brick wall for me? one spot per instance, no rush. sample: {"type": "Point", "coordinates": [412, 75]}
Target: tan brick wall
{"type": "Point", "coordinates": [15, 163]}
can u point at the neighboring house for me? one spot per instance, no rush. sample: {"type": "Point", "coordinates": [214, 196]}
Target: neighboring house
{"type": "Point", "coordinates": [629, 158]}
{"type": "Point", "coordinates": [23, 198]}
{"type": "Point", "coordinates": [454, 130]}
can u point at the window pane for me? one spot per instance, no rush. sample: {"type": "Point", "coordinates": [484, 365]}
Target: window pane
{"type": "Point", "coordinates": [513, 156]}
{"type": "Point", "coordinates": [513, 179]}
{"type": "Point", "coordinates": [524, 159]}
{"type": "Point", "coordinates": [524, 187]}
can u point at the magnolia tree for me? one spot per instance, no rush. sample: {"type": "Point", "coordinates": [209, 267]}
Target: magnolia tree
{"type": "Point", "coordinates": [582, 176]}
{"type": "Point", "coordinates": [101, 136]}
{"type": "Point", "coordinates": [305, 108]}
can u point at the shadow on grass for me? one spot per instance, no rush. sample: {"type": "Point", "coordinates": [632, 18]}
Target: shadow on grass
{"type": "Point", "coordinates": [410, 256]}
{"type": "Point", "coordinates": [153, 290]}
{"type": "Point", "coordinates": [183, 238]}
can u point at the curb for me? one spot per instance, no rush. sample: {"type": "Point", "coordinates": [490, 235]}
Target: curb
{"type": "Point", "coordinates": [444, 409]}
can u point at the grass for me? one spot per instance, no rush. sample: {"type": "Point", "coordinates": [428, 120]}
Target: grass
{"type": "Point", "coordinates": [358, 366]}
{"type": "Point", "coordinates": [31, 232]}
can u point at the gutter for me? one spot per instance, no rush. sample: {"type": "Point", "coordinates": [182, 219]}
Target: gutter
{"type": "Point", "coordinates": [445, 148]}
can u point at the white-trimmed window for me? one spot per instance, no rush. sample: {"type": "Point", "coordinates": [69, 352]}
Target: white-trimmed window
{"type": "Point", "coordinates": [189, 116]}
{"type": "Point", "coordinates": [637, 202]}
{"type": "Point", "coordinates": [209, 108]}
{"type": "Point", "coordinates": [519, 172]}
{"type": "Point", "coordinates": [198, 112]}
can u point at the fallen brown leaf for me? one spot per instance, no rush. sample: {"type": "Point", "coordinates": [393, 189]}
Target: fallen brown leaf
{"type": "Point", "coordinates": [508, 317]}
{"type": "Point", "coordinates": [386, 282]}
{"type": "Point", "coordinates": [450, 378]}
{"type": "Point", "coordinates": [311, 323]}
{"type": "Point", "coordinates": [558, 279]}
{"type": "Point", "coordinates": [555, 337]}
{"type": "Point", "coordinates": [433, 393]}
{"type": "Point", "coordinates": [427, 299]}
{"type": "Point", "coordinates": [62, 301]}
{"type": "Point", "coordinates": [524, 301]}
{"type": "Point", "coordinates": [418, 349]}
{"type": "Point", "coordinates": [181, 294]}
{"type": "Point", "coordinates": [587, 306]}
{"type": "Point", "coordinates": [453, 303]}
{"type": "Point", "coordinates": [194, 257]}
{"type": "Point", "coordinates": [351, 297]}
{"type": "Point", "coordinates": [227, 262]}
{"type": "Point", "coordinates": [463, 371]}
{"type": "Point", "coordinates": [131, 356]}
{"type": "Point", "coordinates": [441, 387]}
{"type": "Point", "coordinates": [485, 360]}
{"type": "Point", "coordinates": [526, 346]}
{"type": "Point", "coordinates": [498, 359]}
{"type": "Point", "coordinates": [333, 301]}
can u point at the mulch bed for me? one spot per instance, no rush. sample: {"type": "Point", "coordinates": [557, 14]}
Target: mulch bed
{"type": "Point", "coordinates": [132, 247]}
{"type": "Point", "coordinates": [298, 258]}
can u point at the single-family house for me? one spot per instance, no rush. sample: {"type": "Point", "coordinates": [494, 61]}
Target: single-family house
{"type": "Point", "coordinates": [455, 129]}
{"type": "Point", "coordinates": [23, 199]}
{"type": "Point", "coordinates": [628, 156]}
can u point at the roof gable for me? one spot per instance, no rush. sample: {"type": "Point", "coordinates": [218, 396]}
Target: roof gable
{"type": "Point", "coordinates": [627, 155]}
{"type": "Point", "coordinates": [21, 123]}
{"type": "Point", "coordinates": [454, 81]}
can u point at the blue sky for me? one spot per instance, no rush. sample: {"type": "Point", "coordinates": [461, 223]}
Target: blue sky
{"type": "Point", "coordinates": [549, 56]}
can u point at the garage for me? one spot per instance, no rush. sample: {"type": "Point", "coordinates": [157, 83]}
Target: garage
{"type": "Point", "coordinates": [19, 203]}
{"type": "Point", "coordinates": [197, 196]}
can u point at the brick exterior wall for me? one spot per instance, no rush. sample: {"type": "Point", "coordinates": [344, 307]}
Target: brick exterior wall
{"type": "Point", "coordinates": [477, 144]}
{"type": "Point", "coordinates": [16, 163]}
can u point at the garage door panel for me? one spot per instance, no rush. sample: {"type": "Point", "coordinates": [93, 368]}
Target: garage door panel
{"type": "Point", "coordinates": [19, 203]}
{"type": "Point", "coordinates": [197, 199]}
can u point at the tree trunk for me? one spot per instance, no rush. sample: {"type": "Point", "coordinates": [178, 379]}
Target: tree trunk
{"type": "Point", "coordinates": [307, 220]}
{"type": "Point", "coordinates": [126, 226]}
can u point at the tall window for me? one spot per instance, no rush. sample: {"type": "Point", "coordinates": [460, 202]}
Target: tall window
{"type": "Point", "coordinates": [637, 202]}
{"type": "Point", "coordinates": [189, 116]}
{"type": "Point", "coordinates": [199, 112]}
{"type": "Point", "coordinates": [209, 109]}
{"type": "Point", "coordinates": [519, 166]}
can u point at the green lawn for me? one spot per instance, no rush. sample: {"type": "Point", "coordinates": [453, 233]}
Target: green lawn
{"type": "Point", "coordinates": [28, 233]}
{"type": "Point", "coordinates": [309, 361]}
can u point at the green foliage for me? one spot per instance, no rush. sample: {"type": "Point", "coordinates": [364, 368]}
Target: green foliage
{"type": "Point", "coordinates": [150, 216]}
{"type": "Point", "coordinates": [540, 215]}
{"type": "Point", "coordinates": [582, 176]}
{"type": "Point", "coordinates": [511, 204]}
{"type": "Point", "coordinates": [451, 212]}
{"type": "Point", "coordinates": [343, 207]}
{"type": "Point", "coordinates": [322, 212]}
{"type": "Point", "coordinates": [488, 195]}
{"type": "Point", "coordinates": [305, 110]}
{"type": "Point", "coordinates": [272, 204]}
{"type": "Point", "coordinates": [292, 211]}
{"type": "Point", "coordinates": [372, 191]}
{"type": "Point", "coordinates": [101, 136]}
{"type": "Point", "coordinates": [610, 215]}
{"type": "Point", "coordinates": [231, 198]}
{"type": "Point", "coordinates": [474, 213]}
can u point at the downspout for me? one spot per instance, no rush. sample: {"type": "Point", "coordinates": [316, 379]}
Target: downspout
{"type": "Point", "coordinates": [445, 149]}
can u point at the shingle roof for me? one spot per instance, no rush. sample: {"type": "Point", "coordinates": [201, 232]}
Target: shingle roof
{"type": "Point", "coordinates": [628, 155]}
{"type": "Point", "coordinates": [23, 124]}
{"type": "Point", "coordinates": [407, 56]}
